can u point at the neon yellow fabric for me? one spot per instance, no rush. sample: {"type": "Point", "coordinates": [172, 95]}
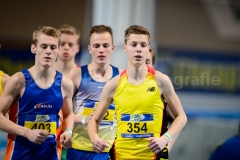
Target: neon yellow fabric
{"type": "Point", "coordinates": [139, 112]}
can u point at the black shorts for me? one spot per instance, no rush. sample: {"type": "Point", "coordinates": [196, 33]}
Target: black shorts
{"type": "Point", "coordinates": [163, 155]}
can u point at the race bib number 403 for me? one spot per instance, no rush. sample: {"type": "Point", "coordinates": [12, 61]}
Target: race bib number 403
{"type": "Point", "coordinates": [136, 125]}
{"type": "Point", "coordinates": [44, 122]}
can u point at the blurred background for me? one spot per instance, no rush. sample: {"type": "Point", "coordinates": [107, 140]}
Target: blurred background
{"type": "Point", "coordinates": [197, 44]}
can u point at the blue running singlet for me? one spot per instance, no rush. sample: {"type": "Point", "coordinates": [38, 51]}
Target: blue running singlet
{"type": "Point", "coordinates": [37, 109]}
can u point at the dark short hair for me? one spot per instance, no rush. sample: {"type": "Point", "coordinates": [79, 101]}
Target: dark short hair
{"type": "Point", "coordinates": [101, 29]}
{"type": "Point", "coordinates": [153, 55]}
{"type": "Point", "coordinates": [136, 29]}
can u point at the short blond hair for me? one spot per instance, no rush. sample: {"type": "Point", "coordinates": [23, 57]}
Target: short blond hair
{"type": "Point", "coordinates": [68, 29]}
{"type": "Point", "coordinates": [136, 29]}
{"type": "Point", "coordinates": [47, 30]}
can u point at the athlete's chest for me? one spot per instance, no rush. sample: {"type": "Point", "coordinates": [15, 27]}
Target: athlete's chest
{"type": "Point", "coordinates": [142, 95]}
{"type": "Point", "coordinates": [37, 100]}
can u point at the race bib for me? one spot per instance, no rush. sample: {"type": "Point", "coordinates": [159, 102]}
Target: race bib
{"type": "Point", "coordinates": [108, 117]}
{"type": "Point", "coordinates": [44, 122]}
{"type": "Point", "coordinates": [136, 125]}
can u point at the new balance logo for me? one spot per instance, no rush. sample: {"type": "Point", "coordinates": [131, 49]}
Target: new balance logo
{"type": "Point", "coordinates": [151, 89]}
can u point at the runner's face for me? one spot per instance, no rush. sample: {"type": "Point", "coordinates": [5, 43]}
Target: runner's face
{"type": "Point", "coordinates": [69, 47]}
{"type": "Point", "coordinates": [46, 50]}
{"type": "Point", "coordinates": [137, 48]}
{"type": "Point", "coordinates": [101, 47]}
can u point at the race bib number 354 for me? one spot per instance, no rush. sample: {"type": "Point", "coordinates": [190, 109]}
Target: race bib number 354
{"type": "Point", "coordinates": [136, 125]}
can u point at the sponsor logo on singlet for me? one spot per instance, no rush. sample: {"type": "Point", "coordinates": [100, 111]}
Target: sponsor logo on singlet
{"type": "Point", "coordinates": [42, 105]}
{"type": "Point", "coordinates": [42, 118]}
{"type": "Point", "coordinates": [136, 117]}
{"type": "Point", "coordinates": [151, 89]}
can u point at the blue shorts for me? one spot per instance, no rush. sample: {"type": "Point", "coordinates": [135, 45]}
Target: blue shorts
{"type": "Point", "coordinates": [86, 155]}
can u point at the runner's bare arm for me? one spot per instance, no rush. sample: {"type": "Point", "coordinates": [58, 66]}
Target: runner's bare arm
{"type": "Point", "coordinates": [11, 93]}
{"type": "Point", "coordinates": [76, 76]}
{"type": "Point", "coordinates": [67, 108]}
{"type": "Point", "coordinates": [171, 143]}
{"type": "Point", "coordinates": [105, 100]}
{"type": "Point", "coordinates": [174, 103]}
{"type": "Point", "coordinates": [5, 78]}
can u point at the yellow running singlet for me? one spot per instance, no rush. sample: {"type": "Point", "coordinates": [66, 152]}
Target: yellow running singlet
{"type": "Point", "coordinates": [139, 112]}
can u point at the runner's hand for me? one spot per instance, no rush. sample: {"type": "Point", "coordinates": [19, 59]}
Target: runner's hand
{"type": "Point", "coordinates": [65, 140]}
{"type": "Point", "coordinates": [37, 135]}
{"type": "Point", "coordinates": [157, 144]}
{"type": "Point", "coordinates": [99, 145]}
